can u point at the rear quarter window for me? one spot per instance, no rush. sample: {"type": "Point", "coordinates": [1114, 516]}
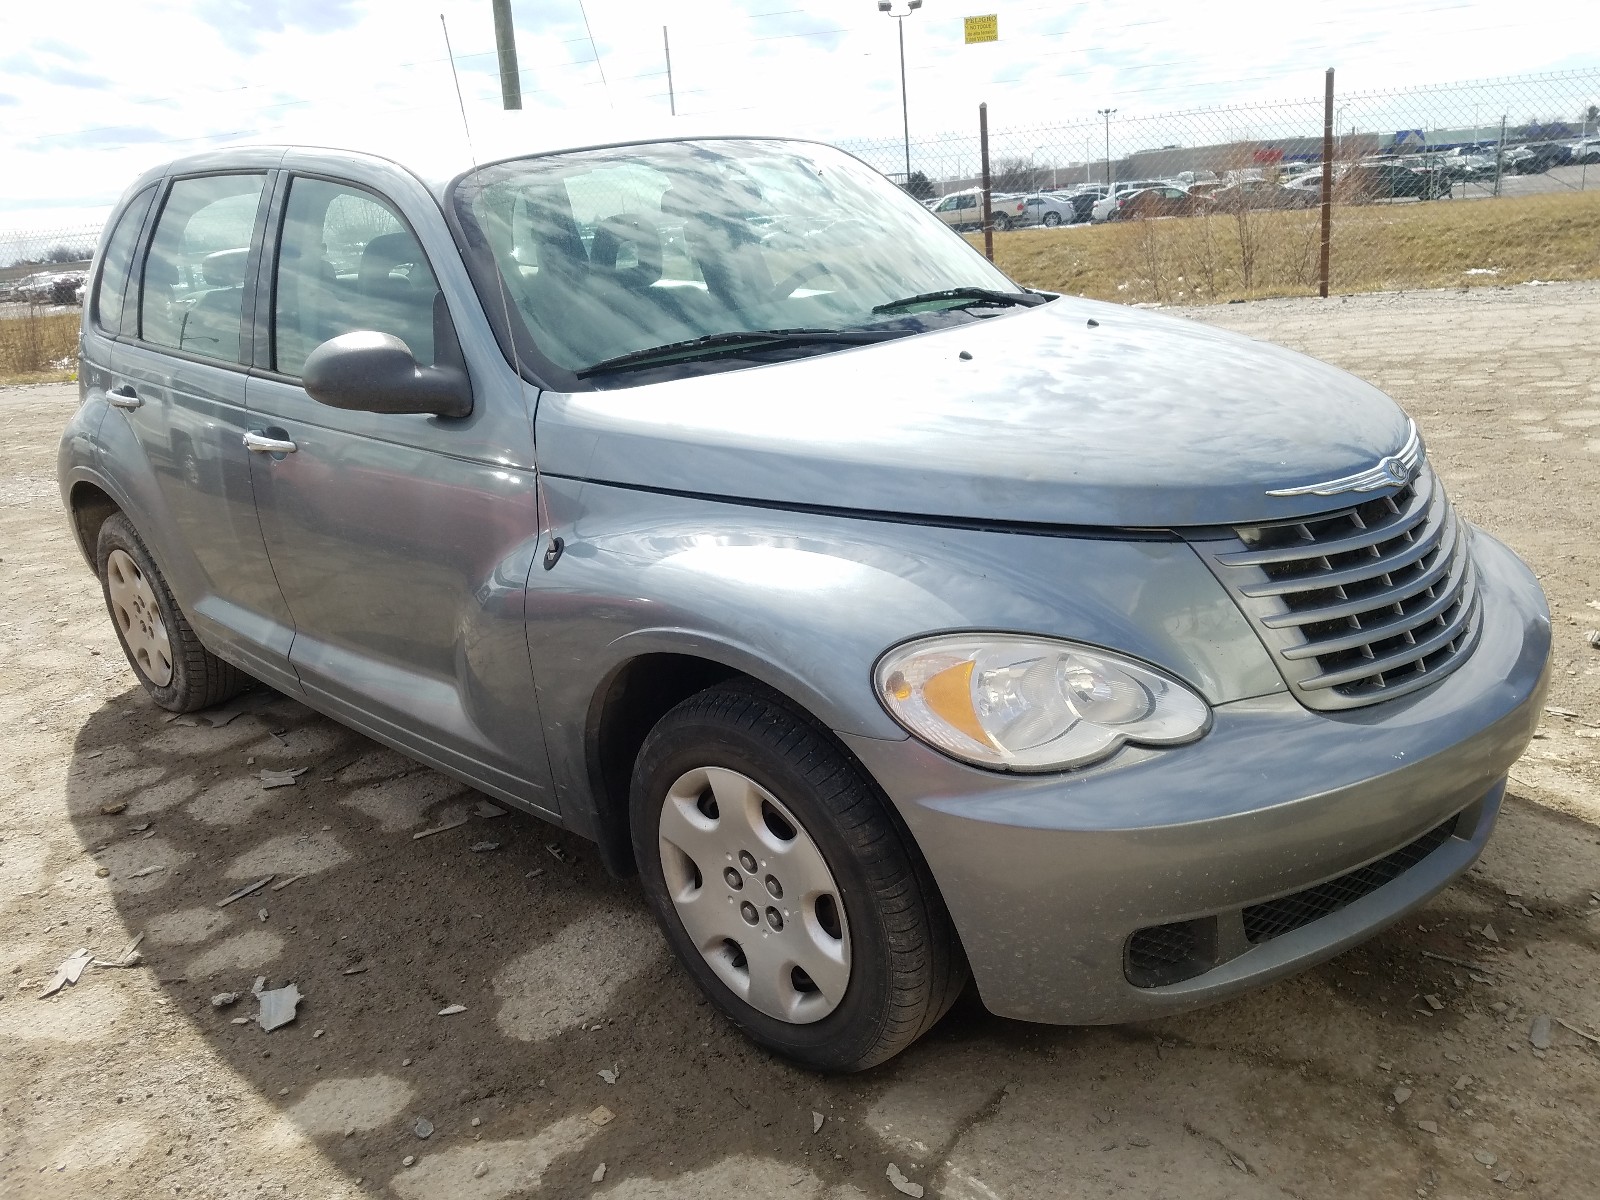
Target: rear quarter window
{"type": "Point", "coordinates": [110, 288]}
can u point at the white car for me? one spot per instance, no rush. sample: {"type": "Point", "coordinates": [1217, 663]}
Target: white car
{"type": "Point", "coordinates": [1043, 208]}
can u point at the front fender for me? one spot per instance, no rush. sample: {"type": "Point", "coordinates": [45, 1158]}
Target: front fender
{"type": "Point", "coordinates": [807, 602]}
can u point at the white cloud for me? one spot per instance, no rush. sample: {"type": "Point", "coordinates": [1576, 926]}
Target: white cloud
{"type": "Point", "coordinates": [92, 95]}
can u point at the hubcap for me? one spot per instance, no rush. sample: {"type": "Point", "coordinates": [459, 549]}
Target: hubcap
{"type": "Point", "coordinates": [725, 843]}
{"type": "Point", "coordinates": [133, 602]}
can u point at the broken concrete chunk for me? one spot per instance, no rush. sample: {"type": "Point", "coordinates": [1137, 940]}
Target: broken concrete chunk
{"type": "Point", "coordinates": [261, 914]}
{"type": "Point", "coordinates": [1402, 1094]}
{"type": "Point", "coordinates": [1434, 1002]}
{"type": "Point", "coordinates": [241, 893]}
{"type": "Point", "coordinates": [488, 811]}
{"type": "Point", "coordinates": [277, 1007]}
{"type": "Point", "coordinates": [423, 1128]}
{"type": "Point", "coordinates": [816, 1122]}
{"type": "Point", "coordinates": [1488, 932]}
{"type": "Point", "coordinates": [275, 779]}
{"type": "Point", "coordinates": [610, 1076]}
{"type": "Point", "coordinates": [602, 1116]}
{"type": "Point", "coordinates": [1539, 1033]}
{"type": "Point", "coordinates": [479, 1171]}
{"type": "Point", "coordinates": [450, 1010]}
{"type": "Point", "coordinates": [900, 1183]}
{"type": "Point", "coordinates": [1486, 1157]}
{"type": "Point", "coordinates": [223, 999]}
{"type": "Point", "coordinates": [1428, 1126]}
{"type": "Point", "coordinates": [69, 971]}
{"type": "Point", "coordinates": [112, 810]}
{"type": "Point", "coordinates": [484, 847]}
{"type": "Point", "coordinates": [599, 1174]}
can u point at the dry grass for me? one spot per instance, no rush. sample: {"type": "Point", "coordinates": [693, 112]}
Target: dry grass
{"type": "Point", "coordinates": [34, 344]}
{"type": "Point", "coordinates": [1381, 247]}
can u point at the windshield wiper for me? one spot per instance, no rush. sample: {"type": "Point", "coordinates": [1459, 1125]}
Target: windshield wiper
{"type": "Point", "coordinates": [976, 295]}
{"type": "Point", "coordinates": [711, 344]}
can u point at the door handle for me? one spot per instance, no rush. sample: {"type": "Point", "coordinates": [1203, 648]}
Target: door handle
{"type": "Point", "coordinates": [260, 443]}
{"type": "Point", "coordinates": [124, 397]}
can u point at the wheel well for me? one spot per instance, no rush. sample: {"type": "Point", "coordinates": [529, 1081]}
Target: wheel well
{"type": "Point", "coordinates": [90, 508]}
{"type": "Point", "coordinates": [637, 696]}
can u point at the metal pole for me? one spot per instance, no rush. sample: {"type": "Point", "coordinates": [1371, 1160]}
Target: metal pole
{"type": "Point", "coordinates": [1499, 155]}
{"type": "Point", "coordinates": [905, 111]}
{"type": "Point", "coordinates": [505, 40]}
{"type": "Point", "coordinates": [983, 152]}
{"type": "Point", "coordinates": [672, 97]}
{"type": "Point", "coordinates": [1327, 186]}
{"type": "Point", "coordinates": [1106, 113]}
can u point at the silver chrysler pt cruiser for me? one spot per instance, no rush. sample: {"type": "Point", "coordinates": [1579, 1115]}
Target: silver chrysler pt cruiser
{"type": "Point", "coordinates": [897, 625]}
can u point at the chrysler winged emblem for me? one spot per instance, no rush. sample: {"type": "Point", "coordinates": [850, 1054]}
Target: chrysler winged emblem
{"type": "Point", "coordinates": [1395, 470]}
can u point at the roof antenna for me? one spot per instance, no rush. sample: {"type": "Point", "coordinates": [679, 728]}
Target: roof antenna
{"type": "Point", "coordinates": [472, 154]}
{"type": "Point", "coordinates": [596, 50]}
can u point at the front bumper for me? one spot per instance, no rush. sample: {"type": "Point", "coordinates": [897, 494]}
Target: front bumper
{"type": "Point", "coordinates": [1048, 877]}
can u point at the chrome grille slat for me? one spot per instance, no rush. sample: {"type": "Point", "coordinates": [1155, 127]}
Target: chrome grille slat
{"type": "Point", "coordinates": [1407, 519]}
{"type": "Point", "coordinates": [1412, 654]}
{"type": "Point", "coordinates": [1362, 603]}
{"type": "Point", "coordinates": [1399, 623]}
{"type": "Point", "coordinates": [1379, 565]}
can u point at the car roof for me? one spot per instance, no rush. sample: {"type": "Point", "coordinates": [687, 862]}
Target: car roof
{"type": "Point", "coordinates": [437, 150]}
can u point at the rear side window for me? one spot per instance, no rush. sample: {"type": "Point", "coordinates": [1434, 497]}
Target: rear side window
{"type": "Point", "coordinates": [194, 275]}
{"type": "Point", "coordinates": [346, 261]}
{"type": "Point", "coordinates": [110, 288]}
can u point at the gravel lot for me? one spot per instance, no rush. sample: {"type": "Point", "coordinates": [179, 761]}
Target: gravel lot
{"type": "Point", "coordinates": [1403, 1068]}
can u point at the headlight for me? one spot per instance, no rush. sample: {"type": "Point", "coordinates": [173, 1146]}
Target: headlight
{"type": "Point", "coordinates": [1032, 704]}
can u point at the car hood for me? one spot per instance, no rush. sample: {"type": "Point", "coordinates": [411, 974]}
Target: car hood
{"type": "Point", "coordinates": [1071, 413]}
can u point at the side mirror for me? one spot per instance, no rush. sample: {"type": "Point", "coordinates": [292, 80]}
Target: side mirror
{"type": "Point", "coordinates": [375, 372]}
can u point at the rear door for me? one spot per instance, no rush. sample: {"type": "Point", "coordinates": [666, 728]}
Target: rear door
{"type": "Point", "coordinates": [402, 543]}
{"type": "Point", "coordinates": [176, 443]}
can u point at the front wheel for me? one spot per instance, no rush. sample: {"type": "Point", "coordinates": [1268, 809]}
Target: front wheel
{"type": "Point", "coordinates": [1052, 219]}
{"type": "Point", "coordinates": [785, 886]}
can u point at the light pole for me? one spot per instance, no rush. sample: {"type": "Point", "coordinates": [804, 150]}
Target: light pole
{"type": "Point", "coordinates": [887, 6]}
{"type": "Point", "coordinates": [1106, 113]}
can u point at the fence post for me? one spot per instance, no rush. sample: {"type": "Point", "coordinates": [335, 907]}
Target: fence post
{"type": "Point", "coordinates": [983, 152]}
{"type": "Point", "coordinates": [1327, 185]}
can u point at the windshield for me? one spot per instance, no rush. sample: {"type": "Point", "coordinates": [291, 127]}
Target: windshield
{"type": "Point", "coordinates": [608, 252]}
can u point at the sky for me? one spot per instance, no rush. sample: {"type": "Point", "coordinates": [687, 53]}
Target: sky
{"type": "Point", "coordinates": [94, 91]}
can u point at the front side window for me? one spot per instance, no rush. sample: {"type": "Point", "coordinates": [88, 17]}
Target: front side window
{"type": "Point", "coordinates": [192, 298]}
{"type": "Point", "coordinates": [347, 262]}
{"type": "Point", "coordinates": [615, 251]}
{"type": "Point", "coordinates": [110, 288]}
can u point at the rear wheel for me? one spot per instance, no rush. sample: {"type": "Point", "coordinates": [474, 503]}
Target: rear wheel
{"type": "Point", "coordinates": [1052, 219]}
{"type": "Point", "coordinates": [784, 884]}
{"type": "Point", "coordinates": [179, 673]}
{"type": "Point", "coordinates": [1002, 222]}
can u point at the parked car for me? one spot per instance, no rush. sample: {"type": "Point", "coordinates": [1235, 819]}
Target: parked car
{"type": "Point", "coordinates": [1106, 204]}
{"type": "Point", "coordinates": [1262, 193]}
{"type": "Point", "coordinates": [964, 210]}
{"type": "Point", "coordinates": [1164, 201]}
{"type": "Point", "coordinates": [1586, 150]}
{"type": "Point", "coordinates": [1467, 164]}
{"type": "Point", "coordinates": [1366, 182]}
{"type": "Point", "coordinates": [837, 654]}
{"type": "Point", "coordinates": [1048, 209]}
{"type": "Point", "coordinates": [1535, 158]}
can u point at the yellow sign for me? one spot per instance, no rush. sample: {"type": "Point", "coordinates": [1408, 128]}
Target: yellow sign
{"type": "Point", "coordinates": [983, 29]}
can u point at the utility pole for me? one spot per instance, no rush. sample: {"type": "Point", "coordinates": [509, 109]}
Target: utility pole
{"type": "Point", "coordinates": [886, 6]}
{"type": "Point", "coordinates": [1106, 113]}
{"type": "Point", "coordinates": [505, 40]}
{"type": "Point", "coordinates": [1327, 187]}
{"type": "Point", "coordinates": [672, 97]}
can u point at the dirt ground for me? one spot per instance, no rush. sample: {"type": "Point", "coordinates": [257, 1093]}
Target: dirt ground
{"type": "Point", "coordinates": [1401, 1069]}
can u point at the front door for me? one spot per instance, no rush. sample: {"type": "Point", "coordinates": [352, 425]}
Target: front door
{"type": "Point", "coordinates": [402, 543]}
{"type": "Point", "coordinates": [177, 384]}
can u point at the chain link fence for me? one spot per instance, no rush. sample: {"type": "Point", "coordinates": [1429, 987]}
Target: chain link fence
{"type": "Point", "coordinates": [45, 266]}
{"type": "Point", "coordinates": [1491, 181]}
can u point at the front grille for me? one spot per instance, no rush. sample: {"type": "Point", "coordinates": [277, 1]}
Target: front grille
{"type": "Point", "coordinates": [1263, 922]}
{"type": "Point", "coordinates": [1158, 955]}
{"type": "Point", "coordinates": [1361, 604]}
{"type": "Point", "coordinates": [1163, 954]}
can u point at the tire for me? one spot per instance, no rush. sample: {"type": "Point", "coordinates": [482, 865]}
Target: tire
{"type": "Point", "coordinates": [1052, 219]}
{"type": "Point", "coordinates": [180, 674]}
{"type": "Point", "coordinates": [1001, 222]}
{"type": "Point", "coordinates": [739, 765]}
